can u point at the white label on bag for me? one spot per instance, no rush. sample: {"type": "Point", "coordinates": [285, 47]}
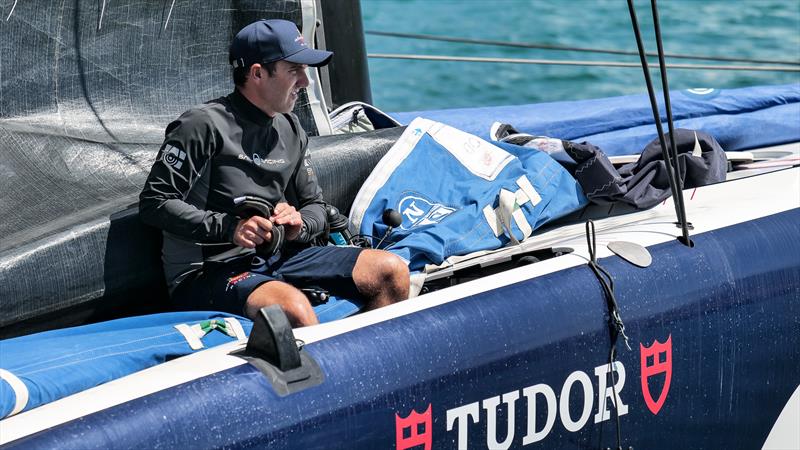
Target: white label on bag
{"type": "Point", "coordinates": [478, 156]}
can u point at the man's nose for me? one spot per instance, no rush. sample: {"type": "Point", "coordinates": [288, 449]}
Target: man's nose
{"type": "Point", "coordinates": [302, 80]}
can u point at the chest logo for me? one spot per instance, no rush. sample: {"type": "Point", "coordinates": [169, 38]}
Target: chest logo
{"type": "Point", "coordinates": [259, 161]}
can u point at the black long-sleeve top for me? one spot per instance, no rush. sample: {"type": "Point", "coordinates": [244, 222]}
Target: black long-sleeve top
{"type": "Point", "coordinates": [212, 154]}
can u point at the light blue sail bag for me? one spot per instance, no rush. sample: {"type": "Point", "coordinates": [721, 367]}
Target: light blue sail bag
{"type": "Point", "coordinates": [458, 194]}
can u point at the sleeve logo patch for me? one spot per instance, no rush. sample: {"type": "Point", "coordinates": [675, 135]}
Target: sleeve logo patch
{"type": "Point", "coordinates": [174, 156]}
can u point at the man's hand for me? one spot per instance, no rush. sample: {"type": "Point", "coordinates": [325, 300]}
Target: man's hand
{"type": "Point", "coordinates": [285, 214]}
{"type": "Point", "coordinates": [252, 232]}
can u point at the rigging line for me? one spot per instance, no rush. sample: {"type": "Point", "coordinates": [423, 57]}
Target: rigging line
{"type": "Point", "coordinates": [612, 356]}
{"type": "Point", "coordinates": [12, 10]}
{"type": "Point", "coordinates": [102, 11]}
{"type": "Point", "coordinates": [169, 14]}
{"type": "Point", "coordinates": [572, 49]}
{"type": "Point", "coordinates": [681, 208]}
{"type": "Point", "coordinates": [607, 281]}
{"type": "Point", "coordinates": [561, 62]}
{"type": "Point", "coordinates": [673, 187]}
{"type": "Point", "coordinates": [616, 327]}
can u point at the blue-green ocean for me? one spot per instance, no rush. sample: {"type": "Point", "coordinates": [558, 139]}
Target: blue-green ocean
{"type": "Point", "coordinates": [755, 29]}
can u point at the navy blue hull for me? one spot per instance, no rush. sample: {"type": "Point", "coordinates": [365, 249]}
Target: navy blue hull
{"type": "Point", "coordinates": [728, 307]}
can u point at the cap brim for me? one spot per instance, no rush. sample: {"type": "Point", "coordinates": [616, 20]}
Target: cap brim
{"type": "Point", "coordinates": [311, 57]}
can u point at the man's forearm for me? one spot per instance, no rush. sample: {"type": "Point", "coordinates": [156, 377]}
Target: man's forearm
{"type": "Point", "coordinates": [314, 219]}
{"type": "Point", "coordinates": [182, 219]}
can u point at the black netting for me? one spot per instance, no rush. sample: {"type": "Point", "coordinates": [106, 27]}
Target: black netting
{"type": "Point", "coordinates": [86, 90]}
{"type": "Point", "coordinates": [87, 87]}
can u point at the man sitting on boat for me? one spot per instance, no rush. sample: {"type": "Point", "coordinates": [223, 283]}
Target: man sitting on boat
{"type": "Point", "coordinates": [248, 145]}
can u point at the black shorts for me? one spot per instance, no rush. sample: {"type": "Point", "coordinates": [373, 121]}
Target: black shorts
{"type": "Point", "coordinates": [226, 286]}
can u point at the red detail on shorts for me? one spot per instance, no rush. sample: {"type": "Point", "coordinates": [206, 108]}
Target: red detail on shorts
{"type": "Point", "coordinates": [234, 280]}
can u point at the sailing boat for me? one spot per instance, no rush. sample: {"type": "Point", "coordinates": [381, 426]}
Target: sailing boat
{"type": "Point", "coordinates": [506, 347]}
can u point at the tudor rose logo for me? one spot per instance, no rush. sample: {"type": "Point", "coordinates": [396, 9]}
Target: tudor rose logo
{"type": "Point", "coordinates": [655, 360]}
{"type": "Point", "coordinates": [413, 430]}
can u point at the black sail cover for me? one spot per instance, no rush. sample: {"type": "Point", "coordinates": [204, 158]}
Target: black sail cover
{"type": "Point", "coordinates": [86, 90]}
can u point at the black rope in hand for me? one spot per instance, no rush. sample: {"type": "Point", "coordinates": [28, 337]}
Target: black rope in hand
{"type": "Point", "coordinates": [249, 206]}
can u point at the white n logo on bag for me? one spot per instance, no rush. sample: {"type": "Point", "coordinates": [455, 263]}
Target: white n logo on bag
{"type": "Point", "coordinates": [508, 210]}
{"type": "Point", "coordinates": [418, 212]}
{"type": "Point", "coordinates": [412, 212]}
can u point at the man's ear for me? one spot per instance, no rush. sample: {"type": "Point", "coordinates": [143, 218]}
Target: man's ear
{"type": "Point", "coordinates": [255, 70]}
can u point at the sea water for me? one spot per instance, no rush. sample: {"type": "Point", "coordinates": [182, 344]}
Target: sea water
{"type": "Point", "coordinates": [755, 29]}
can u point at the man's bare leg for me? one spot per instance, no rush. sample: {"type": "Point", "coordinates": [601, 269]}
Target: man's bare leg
{"type": "Point", "coordinates": [291, 300]}
{"type": "Point", "coordinates": [378, 275]}
{"type": "Point", "coordinates": [381, 277]}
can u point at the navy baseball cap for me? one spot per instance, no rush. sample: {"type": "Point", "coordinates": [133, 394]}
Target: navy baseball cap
{"type": "Point", "coordinates": [266, 41]}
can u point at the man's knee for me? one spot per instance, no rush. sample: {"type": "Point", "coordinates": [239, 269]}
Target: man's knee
{"type": "Point", "coordinates": [380, 273]}
{"type": "Point", "coordinates": [291, 300]}
{"type": "Point", "coordinates": [395, 275]}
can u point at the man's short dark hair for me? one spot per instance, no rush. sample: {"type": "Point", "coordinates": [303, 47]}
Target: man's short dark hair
{"type": "Point", "coordinates": [240, 73]}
